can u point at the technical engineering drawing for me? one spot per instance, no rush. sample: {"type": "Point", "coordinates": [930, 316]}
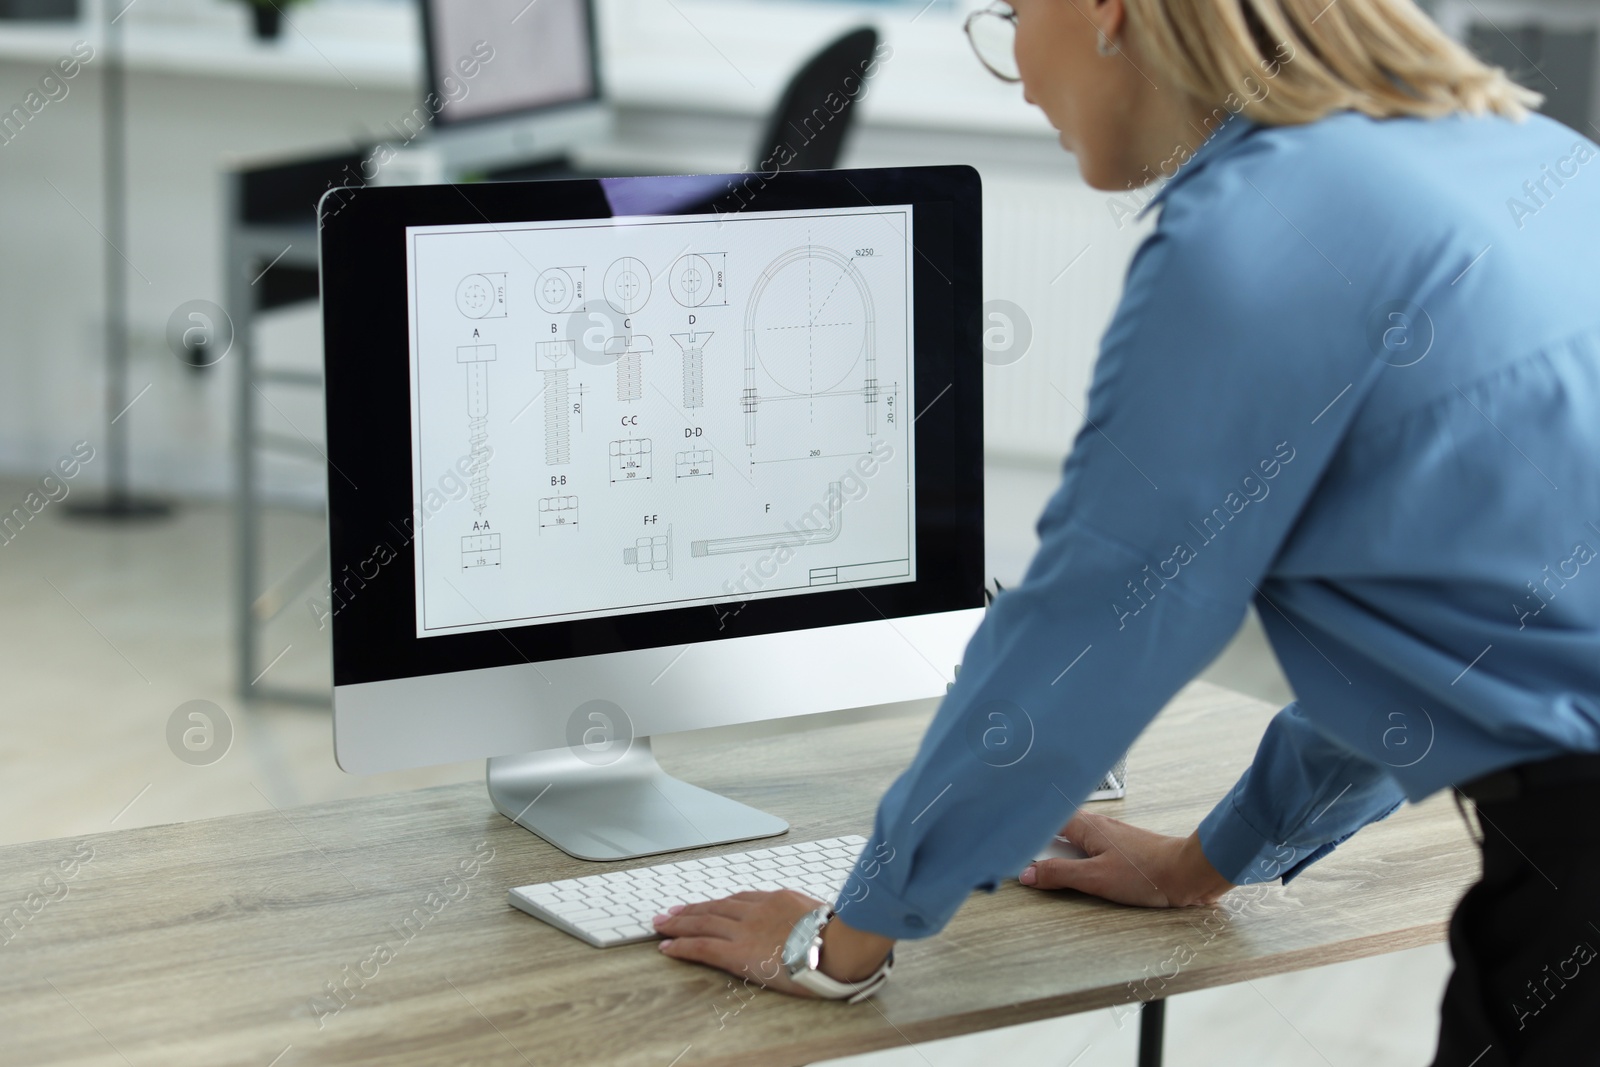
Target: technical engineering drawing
{"type": "Point", "coordinates": [629, 353]}
{"type": "Point", "coordinates": [627, 285]}
{"type": "Point", "coordinates": [649, 554]}
{"type": "Point", "coordinates": [557, 511]}
{"type": "Point", "coordinates": [477, 358]}
{"type": "Point", "coordinates": [694, 366]}
{"type": "Point", "coordinates": [480, 550]}
{"type": "Point", "coordinates": [630, 460]}
{"type": "Point", "coordinates": [559, 289]}
{"type": "Point", "coordinates": [555, 359]}
{"type": "Point", "coordinates": [694, 463]}
{"type": "Point", "coordinates": [792, 536]}
{"type": "Point", "coordinates": [482, 296]}
{"type": "Point", "coordinates": [809, 332]}
{"type": "Point", "coordinates": [696, 280]}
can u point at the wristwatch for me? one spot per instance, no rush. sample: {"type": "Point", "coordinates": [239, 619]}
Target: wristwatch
{"type": "Point", "coordinates": [802, 952]}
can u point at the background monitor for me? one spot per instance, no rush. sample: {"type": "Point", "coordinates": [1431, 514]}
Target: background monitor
{"type": "Point", "coordinates": [641, 455]}
{"type": "Point", "coordinates": [536, 98]}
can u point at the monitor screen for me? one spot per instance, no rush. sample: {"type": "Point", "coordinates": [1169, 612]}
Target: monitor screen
{"type": "Point", "coordinates": [543, 56]}
{"type": "Point", "coordinates": [576, 418]}
{"type": "Point", "coordinates": [670, 412]}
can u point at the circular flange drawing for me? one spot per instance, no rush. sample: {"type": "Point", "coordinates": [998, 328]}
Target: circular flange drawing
{"type": "Point", "coordinates": [553, 290]}
{"type": "Point", "coordinates": [691, 280]}
{"type": "Point", "coordinates": [475, 296]}
{"type": "Point", "coordinates": [810, 320]}
{"type": "Point", "coordinates": [627, 285]}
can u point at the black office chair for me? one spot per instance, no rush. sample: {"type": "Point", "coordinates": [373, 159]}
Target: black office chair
{"type": "Point", "coordinates": [802, 121]}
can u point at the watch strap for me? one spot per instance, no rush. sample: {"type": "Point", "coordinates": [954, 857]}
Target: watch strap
{"type": "Point", "coordinates": [815, 981]}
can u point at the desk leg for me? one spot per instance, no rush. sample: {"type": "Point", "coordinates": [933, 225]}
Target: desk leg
{"type": "Point", "coordinates": [1152, 1026]}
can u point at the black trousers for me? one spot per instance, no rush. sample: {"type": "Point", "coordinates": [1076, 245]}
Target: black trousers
{"type": "Point", "coordinates": [1526, 938]}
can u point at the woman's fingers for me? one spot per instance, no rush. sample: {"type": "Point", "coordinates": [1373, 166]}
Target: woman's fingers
{"type": "Point", "coordinates": [731, 907]}
{"type": "Point", "coordinates": [1126, 864]}
{"type": "Point", "coordinates": [1090, 832]}
{"type": "Point", "coordinates": [1083, 875]}
{"type": "Point", "coordinates": [712, 951]}
{"type": "Point", "coordinates": [698, 924]}
{"type": "Point", "coordinates": [1107, 875]}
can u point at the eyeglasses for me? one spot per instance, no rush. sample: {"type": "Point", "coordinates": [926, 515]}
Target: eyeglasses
{"type": "Point", "coordinates": [993, 33]}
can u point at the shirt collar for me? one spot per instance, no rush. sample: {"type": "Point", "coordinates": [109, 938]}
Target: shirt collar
{"type": "Point", "coordinates": [1233, 129]}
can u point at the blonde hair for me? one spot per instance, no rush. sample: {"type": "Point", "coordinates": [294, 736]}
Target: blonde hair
{"type": "Point", "coordinates": [1307, 58]}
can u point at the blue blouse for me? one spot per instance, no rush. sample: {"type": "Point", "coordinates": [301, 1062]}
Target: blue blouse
{"type": "Point", "coordinates": [1354, 379]}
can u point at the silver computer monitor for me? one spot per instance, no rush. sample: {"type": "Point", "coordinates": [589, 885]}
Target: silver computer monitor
{"type": "Point", "coordinates": [635, 456]}
{"type": "Point", "coordinates": [513, 82]}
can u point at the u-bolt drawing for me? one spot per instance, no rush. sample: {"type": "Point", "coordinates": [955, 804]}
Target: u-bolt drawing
{"type": "Point", "coordinates": [869, 387]}
{"type": "Point", "coordinates": [792, 535]}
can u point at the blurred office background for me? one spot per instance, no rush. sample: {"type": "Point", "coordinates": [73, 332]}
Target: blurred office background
{"type": "Point", "coordinates": [109, 624]}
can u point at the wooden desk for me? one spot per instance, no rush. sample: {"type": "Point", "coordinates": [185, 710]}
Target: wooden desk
{"type": "Point", "coordinates": [209, 942]}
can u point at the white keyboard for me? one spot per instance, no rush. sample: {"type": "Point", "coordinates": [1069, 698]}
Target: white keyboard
{"type": "Point", "coordinates": [617, 907]}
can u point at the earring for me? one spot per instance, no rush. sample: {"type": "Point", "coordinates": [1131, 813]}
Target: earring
{"type": "Point", "coordinates": [1103, 45]}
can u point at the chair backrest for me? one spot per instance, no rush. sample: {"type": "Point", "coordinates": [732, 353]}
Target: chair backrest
{"type": "Point", "coordinates": [803, 120]}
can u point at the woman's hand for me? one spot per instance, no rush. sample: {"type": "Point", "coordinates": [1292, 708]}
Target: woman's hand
{"type": "Point", "coordinates": [1131, 866]}
{"type": "Point", "coordinates": [744, 935]}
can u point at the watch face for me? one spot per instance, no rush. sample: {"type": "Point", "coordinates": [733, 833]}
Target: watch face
{"type": "Point", "coordinates": [800, 938]}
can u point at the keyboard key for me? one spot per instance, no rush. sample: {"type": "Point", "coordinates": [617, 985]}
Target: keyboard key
{"type": "Point", "coordinates": [581, 918]}
{"type": "Point", "coordinates": [567, 908]}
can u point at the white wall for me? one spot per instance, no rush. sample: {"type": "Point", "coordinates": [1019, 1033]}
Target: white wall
{"type": "Point", "coordinates": [198, 94]}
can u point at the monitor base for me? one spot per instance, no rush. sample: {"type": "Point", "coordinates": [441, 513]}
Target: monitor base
{"type": "Point", "coordinates": [618, 810]}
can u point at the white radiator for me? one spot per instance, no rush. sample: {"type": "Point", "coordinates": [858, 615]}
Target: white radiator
{"type": "Point", "coordinates": [1052, 247]}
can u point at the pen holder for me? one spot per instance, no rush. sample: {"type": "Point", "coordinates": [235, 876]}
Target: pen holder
{"type": "Point", "coordinates": [1114, 786]}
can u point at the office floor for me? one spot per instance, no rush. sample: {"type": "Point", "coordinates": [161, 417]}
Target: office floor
{"type": "Point", "coordinates": [106, 631]}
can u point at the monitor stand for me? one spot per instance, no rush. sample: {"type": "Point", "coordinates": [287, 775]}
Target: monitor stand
{"type": "Point", "coordinates": [627, 808]}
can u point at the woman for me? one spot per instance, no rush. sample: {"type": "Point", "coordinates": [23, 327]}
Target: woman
{"type": "Point", "coordinates": [1355, 379]}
